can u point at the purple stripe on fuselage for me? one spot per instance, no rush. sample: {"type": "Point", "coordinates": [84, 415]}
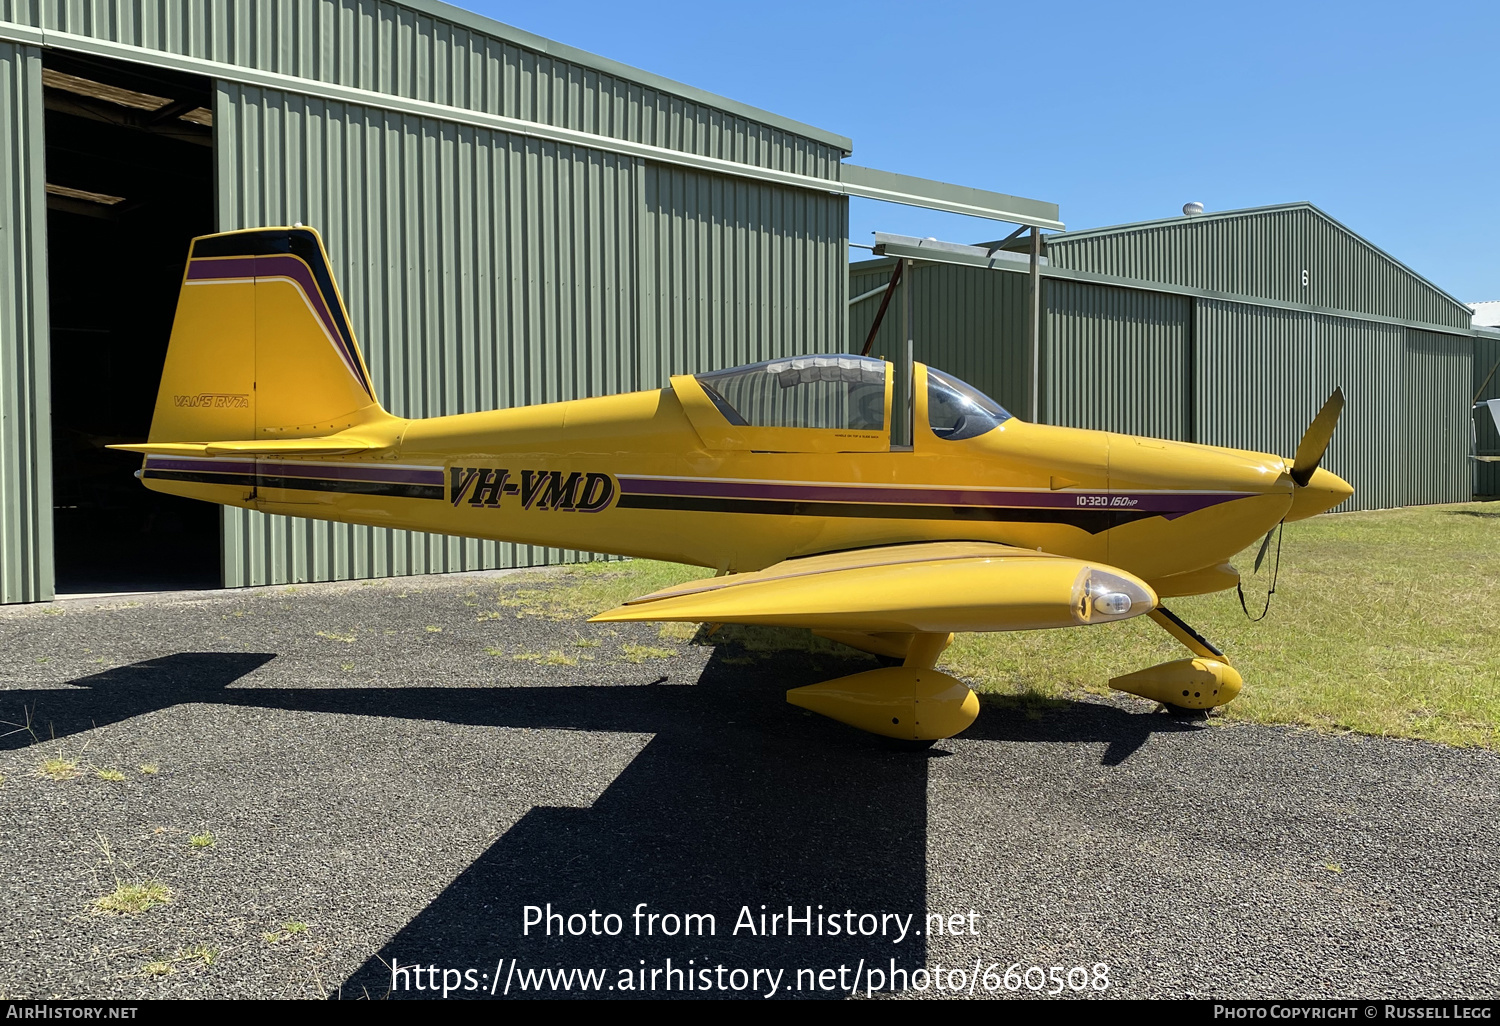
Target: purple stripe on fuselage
{"type": "Point", "coordinates": [211, 466]}
{"type": "Point", "coordinates": [1167, 504]}
{"type": "Point", "coordinates": [265, 468]}
{"type": "Point", "coordinates": [352, 472]}
{"type": "Point", "coordinates": [284, 266]}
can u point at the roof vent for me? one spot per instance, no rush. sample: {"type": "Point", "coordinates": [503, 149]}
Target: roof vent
{"type": "Point", "coordinates": [1192, 209]}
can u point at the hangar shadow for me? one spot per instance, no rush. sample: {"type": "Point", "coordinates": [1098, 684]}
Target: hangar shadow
{"type": "Point", "coordinates": [737, 801]}
{"type": "Point", "coordinates": [100, 699]}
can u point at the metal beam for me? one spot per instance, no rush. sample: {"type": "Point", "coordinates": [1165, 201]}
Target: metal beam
{"type": "Point", "coordinates": [911, 248]}
{"type": "Point", "coordinates": [903, 409]}
{"type": "Point", "coordinates": [1034, 322]}
{"type": "Point", "coordinates": [169, 127]}
{"type": "Point", "coordinates": [870, 183]}
{"type": "Point", "coordinates": [890, 290]}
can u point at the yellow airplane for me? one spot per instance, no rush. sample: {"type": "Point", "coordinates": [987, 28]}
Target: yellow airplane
{"type": "Point", "coordinates": [780, 475]}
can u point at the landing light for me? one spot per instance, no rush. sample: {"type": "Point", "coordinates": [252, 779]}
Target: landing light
{"type": "Point", "coordinates": [1100, 596]}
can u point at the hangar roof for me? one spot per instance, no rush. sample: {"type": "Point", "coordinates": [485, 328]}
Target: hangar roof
{"type": "Point", "coordinates": [1289, 252]}
{"type": "Point", "coordinates": [583, 58]}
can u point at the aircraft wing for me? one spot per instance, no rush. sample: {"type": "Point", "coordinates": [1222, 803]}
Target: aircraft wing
{"type": "Point", "coordinates": [923, 587]}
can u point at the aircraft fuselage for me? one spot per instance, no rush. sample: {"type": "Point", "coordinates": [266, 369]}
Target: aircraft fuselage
{"type": "Point", "coordinates": [632, 475]}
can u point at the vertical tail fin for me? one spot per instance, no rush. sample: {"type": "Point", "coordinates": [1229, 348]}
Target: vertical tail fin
{"type": "Point", "coordinates": [261, 346]}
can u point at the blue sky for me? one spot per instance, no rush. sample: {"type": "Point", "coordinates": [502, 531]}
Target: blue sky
{"type": "Point", "coordinates": [1387, 116]}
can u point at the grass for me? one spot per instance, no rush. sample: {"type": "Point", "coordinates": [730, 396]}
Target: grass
{"type": "Point", "coordinates": [556, 657]}
{"type": "Point", "coordinates": [678, 632]}
{"type": "Point", "coordinates": [588, 588]}
{"type": "Point", "coordinates": [58, 768]}
{"type": "Point", "coordinates": [150, 769]}
{"type": "Point", "coordinates": [1383, 623]}
{"type": "Point", "coordinates": [203, 840]}
{"type": "Point", "coordinates": [287, 932]}
{"type": "Point", "coordinates": [198, 953]}
{"type": "Point", "coordinates": [154, 969]}
{"type": "Point", "coordinates": [129, 899]}
{"type": "Point", "coordinates": [640, 653]}
{"type": "Point", "coordinates": [109, 774]}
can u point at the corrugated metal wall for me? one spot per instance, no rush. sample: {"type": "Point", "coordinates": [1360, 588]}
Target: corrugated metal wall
{"type": "Point", "coordinates": [1117, 360]}
{"type": "Point", "coordinates": [735, 272]}
{"type": "Point", "coordinates": [1263, 253]}
{"type": "Point", "coordinates": [25, 381]}
{"type": "Point", "coordinates": [1486, 386]}
{"type": "Point", "coordinates": [395, 49]}
{"type": "Point", "coordinates": [967, 321]}
{"type": "Point", "coordinates": [482, 269]}
{"type": "Point", "coordinates": [1264, 373]}
{"type": "Point", "coordinates": [1439, 378]}
{"type": "Point", "coordinates": [486, 270]}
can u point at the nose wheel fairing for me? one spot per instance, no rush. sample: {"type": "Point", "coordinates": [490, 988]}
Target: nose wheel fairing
{"type": "Point", "coordinates": [1204, 681]}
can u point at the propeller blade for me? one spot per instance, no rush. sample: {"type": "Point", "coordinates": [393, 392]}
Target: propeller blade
{"type": "Point", "coordinates": [1315, 439]}
{"type": "Point", "coordinates": [1260, 557]}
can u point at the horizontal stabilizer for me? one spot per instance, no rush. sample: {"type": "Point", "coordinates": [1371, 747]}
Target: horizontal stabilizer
{"type": "Point", "coordinates": [332, 446]}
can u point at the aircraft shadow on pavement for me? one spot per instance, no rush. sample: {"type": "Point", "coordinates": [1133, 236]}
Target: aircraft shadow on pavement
{"type": "Point", "coordinates": [1059, 721]}
{"type": "Point", "coordinates": [738, 800]}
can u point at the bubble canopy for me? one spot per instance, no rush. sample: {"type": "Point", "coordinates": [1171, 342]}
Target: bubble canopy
{"type": "Point", "coordinates": [832, 391]}
{"type": "Point", "coordinates": [839, 391]}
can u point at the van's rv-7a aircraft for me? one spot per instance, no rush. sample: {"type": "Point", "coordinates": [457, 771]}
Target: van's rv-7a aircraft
{"type": "Point", "coordinates": [782, 476]}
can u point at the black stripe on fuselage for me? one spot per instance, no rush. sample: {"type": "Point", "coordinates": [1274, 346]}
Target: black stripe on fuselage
{"type": "Point", "coordinates": [306, 484]}
{"type": "Point", "coordinates": [1094, 521]}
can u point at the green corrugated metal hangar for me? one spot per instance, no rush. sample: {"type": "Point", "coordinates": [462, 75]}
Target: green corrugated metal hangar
{"type": "Point", "coordinates": [511, 221]}
{"type": "Point", "coordinates": [1225, 328]}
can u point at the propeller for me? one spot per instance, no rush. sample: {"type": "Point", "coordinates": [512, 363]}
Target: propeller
{"type": "Point", "coordinates": [1309, 454]}
{"type": "Point", "coordinates": [1260, 557]}
{"type": "Point", "coordinates": [1315, 440]}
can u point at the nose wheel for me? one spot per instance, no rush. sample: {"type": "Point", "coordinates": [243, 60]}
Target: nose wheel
{"type": "Point", "coordinates": [1186, 715]}
{"type": "Point", "coordinates": [899, 744]}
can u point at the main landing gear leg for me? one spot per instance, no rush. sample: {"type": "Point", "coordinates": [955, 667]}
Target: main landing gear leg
{"type": "Point", "coordinates": [1187, 687]}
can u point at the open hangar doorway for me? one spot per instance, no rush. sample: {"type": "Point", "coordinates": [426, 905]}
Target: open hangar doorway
{"type": "Point", "coordinates": [130, 179]}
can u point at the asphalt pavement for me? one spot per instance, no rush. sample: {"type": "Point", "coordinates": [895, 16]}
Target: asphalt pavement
{"type": "Point", "coordinates": [388, 774]}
